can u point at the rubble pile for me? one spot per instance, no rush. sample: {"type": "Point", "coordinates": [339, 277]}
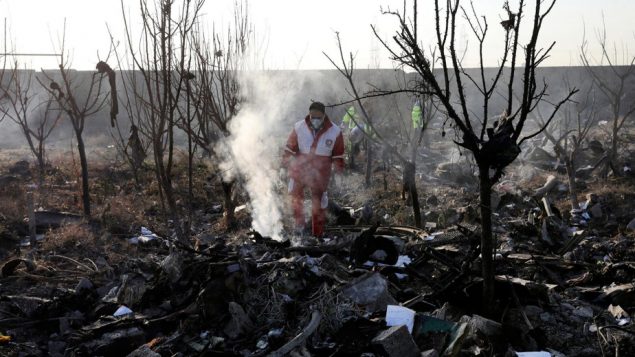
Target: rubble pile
{"type": "Point", "coordinates": [374, 287]}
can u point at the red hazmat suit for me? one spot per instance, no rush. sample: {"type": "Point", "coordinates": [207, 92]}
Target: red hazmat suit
{"type": "Point", "coordinates": [308, 157]}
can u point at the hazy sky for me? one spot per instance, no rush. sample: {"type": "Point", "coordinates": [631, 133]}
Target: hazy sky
{"type": "Point", "coordinates": [293, 33]}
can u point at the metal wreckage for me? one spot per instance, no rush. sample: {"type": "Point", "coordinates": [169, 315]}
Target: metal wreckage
{"type": "Point", "coordinates": [564, 281]}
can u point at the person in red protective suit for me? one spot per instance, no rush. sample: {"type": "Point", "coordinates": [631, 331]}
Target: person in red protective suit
{"type": "Point", "coordinates": [313, 147]}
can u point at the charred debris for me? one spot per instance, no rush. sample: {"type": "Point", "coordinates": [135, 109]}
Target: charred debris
{"type": "Point", "coordinates": [564, 280]}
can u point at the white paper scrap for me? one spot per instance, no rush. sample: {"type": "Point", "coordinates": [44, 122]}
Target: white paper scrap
{"type": "Point", "coordinates": [398, 315]}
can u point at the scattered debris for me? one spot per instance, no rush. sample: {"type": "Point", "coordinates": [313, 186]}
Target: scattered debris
{"type": "Point", "coordinates": [373, 286]}
{"type": "Point", "coordinates": [533, 354]}
{"type": "Point", "coordinates": [146, 237]}
{"type": "Point", "coordinates": [240, 323]}
{"type": "Point", "coordinates": [122, 311]}
{"type": "Point", "coordinates": [398, 315]}
{"type": "Point", "coordinates": [396, 342]}
{"type": "Point", "coordinates": [370, 291]}
{"type": "Point", "coordinates": [549, 185]}
{"type": "Point", "coordinates": [48, 219]}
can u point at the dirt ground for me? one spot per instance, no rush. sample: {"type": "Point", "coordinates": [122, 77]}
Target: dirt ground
{"type": "Point", "coordinates": [89, 288]}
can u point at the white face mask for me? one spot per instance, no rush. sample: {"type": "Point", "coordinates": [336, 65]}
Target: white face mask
{"type": "Point", "coordinates": [317, 122]}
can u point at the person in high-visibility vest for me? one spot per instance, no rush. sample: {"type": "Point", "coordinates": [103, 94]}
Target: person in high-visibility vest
{"type": "Point", "coordinates": [417, 116]}
{"type": "Point", "coordinates": [351, 126]}
{"type": "Point", "coordinates": [350, 118]}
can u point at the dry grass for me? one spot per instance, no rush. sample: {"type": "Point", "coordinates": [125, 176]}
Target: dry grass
{"type": "Point", "coordinates": [613, 186]}
{"type": "Point", "coordinates": [70, 237]}
{"type": "Point", "coordinates": [268, 306]}
{"type": "Point", "coordinates": [13, 202]}
{"type": "Point", "coordinates": [119, 205]}
{"type": "Point", "coordinates": [264, 303]}
{"type": "Point", "coordinates": [333, 306]}
{"type": "Point", "coordinates": [122, 214]}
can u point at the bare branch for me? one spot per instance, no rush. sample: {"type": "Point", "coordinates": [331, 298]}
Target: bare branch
{"type": "Point", "coordinates": [553, 113]}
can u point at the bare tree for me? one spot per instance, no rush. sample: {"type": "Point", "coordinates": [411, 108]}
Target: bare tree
{"type": "Point", "coordinates": [160, 58]}
{"type": "Point", "coordinates": [216, 91]}
{"type": "Point", "coordinates": [132, 149]}
{"type": "Point", "coordinates": [569, 133]}
{"type": "Point", "coordinates": [78, 101]}
{"type": "Point", "coordinates": [495, 146]}
{"type": "Point", "coordinates": [616, 83]}
{"type": "Point", "coordinates": [183, 81]}
{"type": "Point", "coordinates": [35, 118]}
{"type": "Point", "coordinates": [346, 67]}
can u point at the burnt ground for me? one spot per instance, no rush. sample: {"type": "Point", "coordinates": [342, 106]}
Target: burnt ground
{"type": "Point", "coordinates": [561, 288]}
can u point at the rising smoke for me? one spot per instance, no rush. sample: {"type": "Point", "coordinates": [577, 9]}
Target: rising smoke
{"type": "Point", "coordinates": [274, 101]}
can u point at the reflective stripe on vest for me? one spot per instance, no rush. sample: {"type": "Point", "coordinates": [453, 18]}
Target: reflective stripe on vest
{"type": "Point", "coordinates": [325, 142]}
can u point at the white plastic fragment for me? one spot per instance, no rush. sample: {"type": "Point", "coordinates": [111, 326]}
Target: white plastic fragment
{"type": "Point", "coordinates": [402, 261]}
{"type": "Point", "coordinates": [145, 237]}
{"type": "Point", "coordinates": [122, 311]}
{"type": "Point", "coordinates": [398, 315]}
{"type": "Point", "coordinates": [431, 225]}
{"type": "Point", "coordinates": [533, 354]}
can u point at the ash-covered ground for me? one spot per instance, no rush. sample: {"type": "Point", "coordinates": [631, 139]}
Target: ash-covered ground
{"type": "Point", "coordinates": [119, 283]}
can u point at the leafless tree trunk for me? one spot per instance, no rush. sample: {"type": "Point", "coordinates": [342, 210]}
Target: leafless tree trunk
{"type": "Point", "coordinates": [132, 149]}
{"type": "Point", "coordinates": [36, 120]}
{"type": "Point", "coordinates": [369, 164]}
{"type": "Point", "coordinates": [613, 80]}
{"type": "Point", "coordinates": [78, 103]}
{"type": "Point", "coordinates": [160, 58]}
{"type": "Point", "coordinates": [569, 135]}
{"type": "Point", "coordinates": [216, 91]}
{"type": "Point", "coordinates": [494, 152]}
{"type": "Point", "coordinates": [186, 82]}
{"type": "Point", "coordinates": [371, 133]}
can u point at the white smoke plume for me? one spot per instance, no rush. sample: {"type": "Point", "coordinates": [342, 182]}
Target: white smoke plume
{"type": "Point", "coordinates": [256, 143]}
{"type": "Point", "coordinates": [253, 150]}
{"type": "Point", "coordinates": [255, 158]}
